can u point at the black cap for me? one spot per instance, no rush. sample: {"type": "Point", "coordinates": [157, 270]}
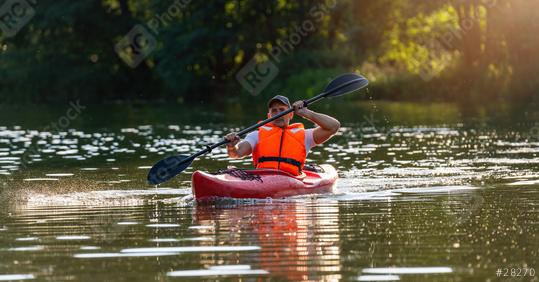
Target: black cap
{"type": "Point", "coordinates": [281, 99]}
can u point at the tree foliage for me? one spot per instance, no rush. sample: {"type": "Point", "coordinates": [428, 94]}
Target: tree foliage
{"type": "Point", "coordinates": [410, 49]}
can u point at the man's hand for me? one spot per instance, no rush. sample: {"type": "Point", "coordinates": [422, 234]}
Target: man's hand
{"type": "Point", "coordinates": [301, 110]}
{"type": "Point", "coordinates": [327, 126]}
{"type": "Point", "coordinates": [232, 139]}
{"type": "Point", "coordinates": [241, 150]}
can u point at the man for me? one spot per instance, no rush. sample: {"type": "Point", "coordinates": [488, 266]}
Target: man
{"type": "Point", "coordinates": [279, 144]}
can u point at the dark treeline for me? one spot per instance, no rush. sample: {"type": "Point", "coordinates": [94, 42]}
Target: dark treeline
{"type": "Point", "coordinates": [192, 51]}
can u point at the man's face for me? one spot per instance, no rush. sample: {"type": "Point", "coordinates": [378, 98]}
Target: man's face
{"type": "Point", "coordinates": [277, 107]}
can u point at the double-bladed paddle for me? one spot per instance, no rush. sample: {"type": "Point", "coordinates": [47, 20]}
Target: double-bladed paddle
{"type": "Point", "coordinates": [169, 167]}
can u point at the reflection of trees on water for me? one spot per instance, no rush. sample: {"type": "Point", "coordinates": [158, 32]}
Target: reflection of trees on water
{"type": "Point", "coordinates": [298, 241]}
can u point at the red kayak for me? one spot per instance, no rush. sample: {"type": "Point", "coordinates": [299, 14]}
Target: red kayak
{"type": "Point", "coordinates": [262, 183]}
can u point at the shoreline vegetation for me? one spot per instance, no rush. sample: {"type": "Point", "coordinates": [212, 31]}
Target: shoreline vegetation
{"type": "Point", "coordinates": [380, 114]}
{"type": "Point", "coordinates": [467, 52]}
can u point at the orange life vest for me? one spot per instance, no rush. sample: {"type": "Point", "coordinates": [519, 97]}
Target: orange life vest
{"type": "Point", "coordinates": [279, 148]}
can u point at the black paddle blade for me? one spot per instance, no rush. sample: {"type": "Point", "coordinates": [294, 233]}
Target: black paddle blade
{"type": "Point", "coordinates": [352, 81]}
{"type": "Point", "coordinates": [167, 168]}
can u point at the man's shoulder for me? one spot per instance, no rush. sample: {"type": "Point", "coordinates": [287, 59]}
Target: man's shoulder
{"type": "Point", "coordinates": [252, 138]}
{"type": "Point", "coordinates": [252, 133]}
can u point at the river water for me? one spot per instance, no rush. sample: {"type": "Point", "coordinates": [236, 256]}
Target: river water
{"type": "Point", "coordinates": [425, 194]}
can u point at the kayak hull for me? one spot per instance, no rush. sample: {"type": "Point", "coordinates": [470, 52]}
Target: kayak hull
{"type": "Point", "coordinates": [273, 184]}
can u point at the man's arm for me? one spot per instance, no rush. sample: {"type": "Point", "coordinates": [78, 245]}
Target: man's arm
{"type": "Point", "coordinates": [237, 149]}
{"type": "Point", "coordinates": [327, 126]}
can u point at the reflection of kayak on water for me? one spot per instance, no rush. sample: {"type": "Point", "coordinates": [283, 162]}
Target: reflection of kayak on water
{"type": "Point", "coordinates": [298, 240]}
{"type": "Point", "coordinates": [262, 183]}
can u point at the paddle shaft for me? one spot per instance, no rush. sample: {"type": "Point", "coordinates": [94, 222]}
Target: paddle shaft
{"type": "Point", "coordinates": [306, 102]}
